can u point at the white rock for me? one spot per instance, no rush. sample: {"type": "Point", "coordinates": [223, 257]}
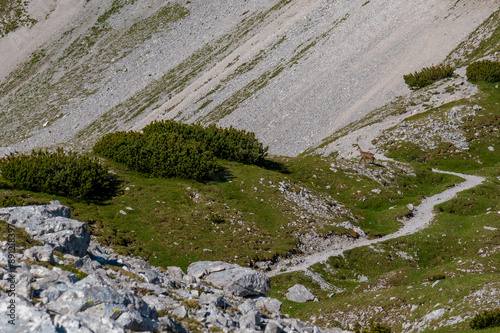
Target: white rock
{"type": "Point", "coordinates": [299, 293]}
{"type": "Point", "coordinates": [491, 228]}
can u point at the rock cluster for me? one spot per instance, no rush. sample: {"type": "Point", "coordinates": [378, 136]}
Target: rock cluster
{"type": "Point", "coordinates": [85, 288]}
{"type": "Point", "coordinates": [429, 132]}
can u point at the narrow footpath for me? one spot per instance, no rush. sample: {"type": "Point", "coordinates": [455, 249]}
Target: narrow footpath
{"type": "Point", "coordinates": [423, 215]}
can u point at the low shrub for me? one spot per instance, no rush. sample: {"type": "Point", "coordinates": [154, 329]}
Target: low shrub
{"type": "Point", "coordinates": [428, 75]}
{"type": "Point", "coordinates": [486, 319]}
{"type": "Point", "coordinates": [170, 155]}
{"type": "Point", "coordinates": [172, 149]}
{"type": "Point", "coordinates": [485, 70]}
{"type": "Point", "coordinates": [122, 147]}
{"type": "Point", "coordinates": [60, 173]}
{"type": "Point", "coordinates": [159, 155]}
{"type": "Point", "coordinates": [226, 143]}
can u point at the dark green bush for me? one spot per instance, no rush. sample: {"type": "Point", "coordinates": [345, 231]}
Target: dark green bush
{"type": "Point", "coordinates": [172, 149]}
{"type": "Point", "coordinates": [486, 319]}
{"type": "Point", "coordinates": [169, 155]}
{"type": "Point", "coordinates": [60, 173]}
{"type": "Point", "coordinates": [485, 70]}
{"type": "Point", "coordinates": [226, 143]}
{"type": "Point", "coordinates": [123, 147]}
{"type": "Point", "coordinates": [159, 155]}
{"type": "Point", "coordinates": [428, 75]}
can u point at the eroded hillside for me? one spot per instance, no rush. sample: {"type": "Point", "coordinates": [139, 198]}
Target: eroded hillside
{"type": "Point", "coordinates": [291, 71]}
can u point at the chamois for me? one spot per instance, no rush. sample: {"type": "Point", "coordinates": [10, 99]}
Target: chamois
{"type": "Point", "coordinates": [365, 155]}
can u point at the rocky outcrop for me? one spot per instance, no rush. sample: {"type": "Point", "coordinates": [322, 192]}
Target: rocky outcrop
{"type": "Point", "coordinates": [50, 224]}
{"type": "Point", "coordinates": [92, 289]}
{"type": "Point", "coordinates": [234, 279]}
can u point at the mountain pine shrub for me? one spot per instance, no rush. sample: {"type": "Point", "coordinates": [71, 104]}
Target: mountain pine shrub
{"type": "Point", "coordinates": [159, 155]}
{"type": "Point", "coordinates": [226, 143]}
{"type": "Point", "coordinates": [123, 147]}
{"type": "Point", "coordinates": [486, 319]}
{"type": "Point", "coordinates": [60, 173]}
{"type": "Point", "coordinates": [428, 75]}
{"type": "Point", "coordinates": [485, 70]}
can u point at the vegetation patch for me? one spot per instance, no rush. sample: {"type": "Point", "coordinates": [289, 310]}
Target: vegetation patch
{"type": "Point", "coordinates": [486, 319]}
{"type": "Point", "coordinates": [172, 149]}
{"type": "Point", "coordinates": [428, 75]}
{"type": "Point", "coordinates": [485, 70]}
{"type": "Point", "coordinates": [60, 173]}
{"type": "Point", "coordinates": [161, 155]}
{"type": "Point", "coordinates": [226, 143]}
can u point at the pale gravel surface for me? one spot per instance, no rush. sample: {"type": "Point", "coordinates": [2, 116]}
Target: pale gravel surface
{"type": "Point", "coordinates": [361, 51]}
{"type": "Point", "coordinates": [423, 215]}
{"type": "Point", "coordinates": [435, 96]}
{"type": "Point", "coordinates": [53, 17]}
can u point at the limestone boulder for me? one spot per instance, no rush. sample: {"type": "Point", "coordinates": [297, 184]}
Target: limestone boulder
{"type": "Point", "coordinates": [299, 293]}
{"type": "Point", "coordinates": [232, 278]}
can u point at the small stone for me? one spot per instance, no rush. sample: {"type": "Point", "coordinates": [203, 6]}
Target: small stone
{"type": "Point", "coordinates": [181, 312]}
{"type": "Point", "coordinates": [40, 253]}
{"type": "Point", "coordinates": [247, 306]}
{"type": "Point", "coordinates": [175, 272]}
{"type": "Point", "coordinates": [454, 112]}
{"type": "Point", "coordinates": [250, 320]}
{"type": "Point", "coordinates": [377, 190]}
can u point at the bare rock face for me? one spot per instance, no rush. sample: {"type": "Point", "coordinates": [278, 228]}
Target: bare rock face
{"type": "Point", "coordinates": [234, 279]}
{"type": "Point", "coordinates": [299, 293]}
{"type": "Point", "coordinates": [50, 224]}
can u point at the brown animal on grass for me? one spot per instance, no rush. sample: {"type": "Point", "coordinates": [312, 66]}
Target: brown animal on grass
{"type": "Point", "coordinates": [365, 155]}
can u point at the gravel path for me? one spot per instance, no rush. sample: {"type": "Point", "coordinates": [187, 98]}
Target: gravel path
{"type": "Point", "coordinates": [423, 214]}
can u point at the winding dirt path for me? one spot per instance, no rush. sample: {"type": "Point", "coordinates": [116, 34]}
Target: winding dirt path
{"type": "Point", "coordinates": [423, 214]}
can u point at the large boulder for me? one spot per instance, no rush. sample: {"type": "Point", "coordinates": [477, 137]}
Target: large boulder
{"type": "Point", "coordinates": [50, 224]}
{"type": "Point", "coordinates": [299, 293]}
{"type": "Point", "coordinates": [232, 278]}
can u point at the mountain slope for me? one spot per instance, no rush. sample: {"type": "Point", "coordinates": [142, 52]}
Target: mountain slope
{"type": "Point", "coordinates": [291, 71]}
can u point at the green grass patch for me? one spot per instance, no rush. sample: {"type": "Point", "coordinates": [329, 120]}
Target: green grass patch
{"type": "Point", "coordinates": [243, 219]}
